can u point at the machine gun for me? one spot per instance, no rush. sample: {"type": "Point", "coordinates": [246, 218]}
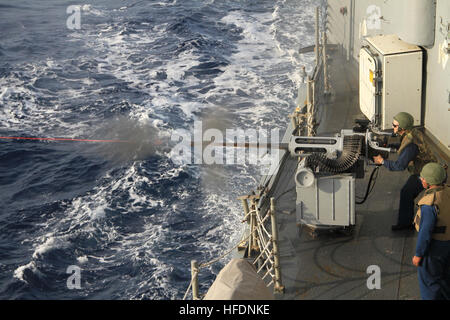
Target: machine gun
{"type": "Point", "coordinates": [325, 176]}
{"type": "Point", "coordinates": [326, 173]}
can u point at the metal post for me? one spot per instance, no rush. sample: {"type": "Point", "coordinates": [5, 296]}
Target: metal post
{"type": "Point", "coordinates": [278, 287]}
{"type": "Point", "coordinates": [255, 223]}
{"type": "Point", "coordinates": [303, 74]}
{"type": "Point", "coordinates": [317, 36]}
{"type": "Point", "coordinates": [313, 96]}
{"type": "Point", "coordinates": [194, 275]}
{"type": "Point", "coordinates": [350, 29]}
{"type": "Point", "coordinates": [250, 238]}
{"type": "Point", "coordinates": [325, 64]}
{"type": "Point", "coordinates": [246, 210]}
{"type": "Point", "coordinates": [309, 106]}
{"type": "Point", "coordinates": [313, 108]}
{"type": "Point", "coordinates": [308, 93]}
{"type": "Point", "coordinates": [243, 244]}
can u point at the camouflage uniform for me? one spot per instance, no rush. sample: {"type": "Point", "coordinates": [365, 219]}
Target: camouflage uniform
{"type": "Point", "coordinates": [425, 155]}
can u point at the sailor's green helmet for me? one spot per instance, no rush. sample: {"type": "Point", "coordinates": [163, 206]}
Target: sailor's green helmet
{"type": "Point", "coordinates": [433, 173]}
{"type": "Point", "coordinates": [405, 120]}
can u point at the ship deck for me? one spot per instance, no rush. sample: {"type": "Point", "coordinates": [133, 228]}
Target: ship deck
{"type": "Point", "coordinates": [335, 265]}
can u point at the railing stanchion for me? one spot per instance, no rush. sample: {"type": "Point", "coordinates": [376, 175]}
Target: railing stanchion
{"type": "Point", "coordinates": [278, 287]}
{"type": "Point", "coordinates": [194, 275]}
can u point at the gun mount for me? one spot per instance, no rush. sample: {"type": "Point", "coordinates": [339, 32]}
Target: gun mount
{"type": "Point", "coordinates": [325, 177]}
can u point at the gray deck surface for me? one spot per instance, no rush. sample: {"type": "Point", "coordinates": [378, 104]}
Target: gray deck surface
{"type": "Point", "coordinates": [334, 266]}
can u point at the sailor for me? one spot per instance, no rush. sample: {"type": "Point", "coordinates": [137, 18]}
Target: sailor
{"type": "Point", "coordinates": [413, 154]}
{"type": "Point", "coordinates": [432, 221]}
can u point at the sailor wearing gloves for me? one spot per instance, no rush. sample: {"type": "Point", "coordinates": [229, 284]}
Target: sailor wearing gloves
{"type": "Point", "coordinates": [413, 154]}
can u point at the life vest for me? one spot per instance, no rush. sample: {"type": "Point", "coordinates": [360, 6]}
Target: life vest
{"type": "Point", "coordinates": [423, 157]}
{"type": "Point", "coordinates": [439, 198]}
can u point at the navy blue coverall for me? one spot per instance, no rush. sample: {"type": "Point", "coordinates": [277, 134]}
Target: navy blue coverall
{"type": "Point", "coordinates": [434, 270]}
{"type": "Point", "coordinates": [412, 187]}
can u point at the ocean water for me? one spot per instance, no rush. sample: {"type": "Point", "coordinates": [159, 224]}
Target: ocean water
{"type": "Point", "coordinates": [128, 215]}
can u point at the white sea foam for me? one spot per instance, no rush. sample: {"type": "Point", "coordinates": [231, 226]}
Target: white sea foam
{"type": "Point", "coordinates": [252, 67]}
{"type": "Point", "coordinates": [88, 9]}
{"type": "Point", "coordinates": [114, 49]}
{"type": "Point", "coordinates": [36, 110]}
{"type": "Point", "coordinates": [266, 66]}
{"type": "Point", "coordinates": [82, 259]}
{"type": "Point", "coordinates": [50, 243]}
{"type": "Point", "coordinates": [19, 272]}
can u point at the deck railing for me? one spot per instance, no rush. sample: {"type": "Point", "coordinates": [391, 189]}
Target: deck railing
{"type": "Point", "coordinates": [261, 244]}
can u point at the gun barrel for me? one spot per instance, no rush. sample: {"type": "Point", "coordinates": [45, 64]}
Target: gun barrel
{"type": "Point", "coordinates": [281, 146]}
